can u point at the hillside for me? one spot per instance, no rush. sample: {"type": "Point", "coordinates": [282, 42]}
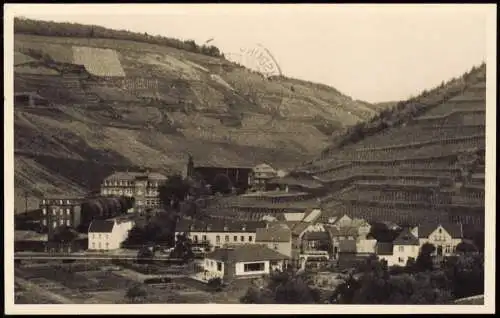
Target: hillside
{"type": "Point", "coordinates": [421, 161]}
{"type": "Point", "coordinates": [111, 103]}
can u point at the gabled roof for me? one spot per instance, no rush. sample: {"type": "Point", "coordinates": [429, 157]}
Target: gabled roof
{"type": "Point", "coordinates": [101, 226]}
{"type": "Point", "coordinates": [275, 233]}
{"type": "Point", "coordinates": [297, 227]}
{"type": "Point", "coordinates": [335, 231]}
{"type": "Point", "coordinates": [312, 216]}
{"type": "Point", "coordinates": [263, 167]}
{"type": "Point", "coordinates": [246, 253]}
{"type": "Point", "coordinates": [347, 246]}
{"type": "Point", "coordinates": [406, 238]}
{"type": "Point", "coordinates": [316, 236]}
{"type": "Point", "coordinates": [384, 248]}
{"type": "Point", "coordinates": [454, 229]}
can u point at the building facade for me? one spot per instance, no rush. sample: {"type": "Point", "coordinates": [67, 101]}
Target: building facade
{"type": "Point", "coordinates": [142, 186]}
{"type": "Point", "coordinates": [276, 236]}
{"type": "Point", "coordinates": [105, 235]}
{"type": "Point", "coordinates": [406, 246]}
{"type": "Point", "coordinates": [60, 211]}
{"type": "Point", "coordinates": [445, 236]}
{"type": "Point", "coordinates": [259, 177]}
{"type": "Point", "coordinates": [219, 233]}
{"type": "Point", "coordinates": [245, 261]}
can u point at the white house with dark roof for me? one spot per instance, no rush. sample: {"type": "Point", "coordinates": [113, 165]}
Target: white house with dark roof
{"type": "Point", "coordinates": [108, 234]}
{"type": "Point", "coordinates": [244, 261]}
{"type": "Point", "coordinates": [444, 236]}
{"type": "Point", "coordinates": [405, 246]}
{"type": "Point", "coordinates": [219, 232]}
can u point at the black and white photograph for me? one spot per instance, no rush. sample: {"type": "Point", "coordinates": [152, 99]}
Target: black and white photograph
{"type": "Point", "coordinates": [249, 154]}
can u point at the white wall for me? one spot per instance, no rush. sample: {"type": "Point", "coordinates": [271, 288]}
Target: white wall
{"type": "Point", "coordinates": [110, 241]}
{"type": "Point", "coordinates": [240, 266]}
{"type": "Point", "coordinates": [249, 237]}
{"type": "Point", "coordinates": [210, 265]}
{"type": "Point", "coordinates": [296, 216]}
{"type": "Point", "coordinates": [442, 239]}
{"type": "Point", "coordinates": [401, 254]}
{"type": "Point", "coordinates": [365, 246]}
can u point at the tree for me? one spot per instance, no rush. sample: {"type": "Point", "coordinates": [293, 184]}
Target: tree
{"type": "Point", "coordinates": [136, 292]}
{"type": "Point", "coordinates": [65, 234]}
{"type": "Point", "coordinates": [222, 184]}
{"type": "Point", "coordinates": [424, 259]}
{"type": "Point", "coordinates": [282, 288]}
{"type": "Point", "coordinates": [465, 248]}
{"type": "Point", "coordinates": [215, 284]}
{"type": "Point", "coordinates": [183, 248]}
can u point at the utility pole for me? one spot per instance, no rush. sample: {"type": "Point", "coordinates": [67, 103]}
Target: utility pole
{"type": "Point", "coordinates": [26, 202]}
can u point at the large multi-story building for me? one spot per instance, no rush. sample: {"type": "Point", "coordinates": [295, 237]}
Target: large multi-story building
{"type": "Point", "coordinates": [142, 186]}
{"type": "Point", "coordinates": [60, 211]}
{"type": "Point", "coordinates": [260, 175]}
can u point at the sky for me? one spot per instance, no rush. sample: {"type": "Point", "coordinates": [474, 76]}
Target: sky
{"type": "Point", "coordinates": [374, 53]}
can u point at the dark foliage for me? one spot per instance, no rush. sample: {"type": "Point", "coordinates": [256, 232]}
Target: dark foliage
{"type": "Point", "coordinates": [64, 29]}
{"type": "Point", "coordinates": [222, 184]}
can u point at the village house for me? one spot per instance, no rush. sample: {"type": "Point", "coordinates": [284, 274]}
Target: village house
{"type": "Point", "coordinates": [338, 234]}
{"type": "Point", "coordinates": [244, 261]}
{"type": "Point", "coordinates": [366, 245]}
{"type": "Point", "coordinates": [404, 247]}
{"type": "Point", "coordinates": [218, 232]}
{"type": "Point", "coordinates": [260, 175]}
{"type": "Point", "coordinates": [60, 211]}
{"type": "Point", "coordinates": [444, 236]}
{"type": "Point", "coordinates": [143, 186]}
{"type": "Point", "coordinates": [276, 236]}
{"type": "Point", "coordinates": [105, 235]}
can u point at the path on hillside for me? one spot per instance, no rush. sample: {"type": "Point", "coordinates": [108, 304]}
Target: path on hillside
{"type": "Point", "coordinates": [42, 291]}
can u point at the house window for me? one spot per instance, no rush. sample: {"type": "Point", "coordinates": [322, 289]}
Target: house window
{"type": "Point", "coordinates": [253, 267]}
{"type": "Point", "coordinates": [219, 266]}
{"type": "Point", "coordinates": [226, 238]}
{"type": "Point", "coordinates": [401, 248]}
{"type": "Point", "coordinates": [204, 237]}
{"type": "Point", "coordinates": [67, 223]}
{"type": "Point", "coordinates": [93, 245]}
{"type": "Point", "coordinates": [99, 235]}
{"type": "Point", "coordinates": [195, 238]}
{"type": "Point", "coordinates": [54, 212]}
{"type": "Point", "coordinates": [100, 245]}
{"type": "Point", "coordinates": [44, 211]}
{"type": "Point", "coordinates": [54, 224]}
{"type": "Point", "coordinates": [217, 239]}
{"type": "Point", "coordinates": [107, 245]}
{"type": "Point", "coordinates": [250, 239]}
{"type": "Point", "coordinates": [400, 259]}
{"type": "Point", "coordinates": [275, 246]}
{"type": "Point", "coordinates": [61, 222]}
{"type": "Point", "coordinates": [235, 238]}
{"type": "Point", "coordinates": [44, 222]}
{"type": "Point", "coordinates": [440, 231]}
{"type": "Point", "coordinates": [242, 238]}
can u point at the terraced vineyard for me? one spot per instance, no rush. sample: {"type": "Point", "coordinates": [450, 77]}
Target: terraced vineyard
{"type": "Point", "coordinates": [118, 102]}
{"type": "Point", "coordinates": [429, 168]}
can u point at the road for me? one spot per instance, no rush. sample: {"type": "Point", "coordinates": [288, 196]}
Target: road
{"type": "Point", "coordinates": [85, 256]}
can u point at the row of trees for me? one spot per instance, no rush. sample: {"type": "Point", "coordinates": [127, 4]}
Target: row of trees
{"type": "Point", "coordinates": [104, 207]}
{"type": "Point", "coordinates": [404, 111]}
{"type": "Point", "coordinates": [417, 283]}
{"type": "Point", "coordinates": [64, 29]}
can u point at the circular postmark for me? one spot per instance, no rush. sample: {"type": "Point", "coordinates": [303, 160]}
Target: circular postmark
{"type": "Point", "coordinates": [260, 62]}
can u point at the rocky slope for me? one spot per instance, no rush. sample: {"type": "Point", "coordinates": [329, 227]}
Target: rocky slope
{"type": "Point", "coordinates": [118, 104]}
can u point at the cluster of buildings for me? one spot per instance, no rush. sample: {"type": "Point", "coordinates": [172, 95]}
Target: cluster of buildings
{"type": "Point", "coordinates": [241, 248]}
